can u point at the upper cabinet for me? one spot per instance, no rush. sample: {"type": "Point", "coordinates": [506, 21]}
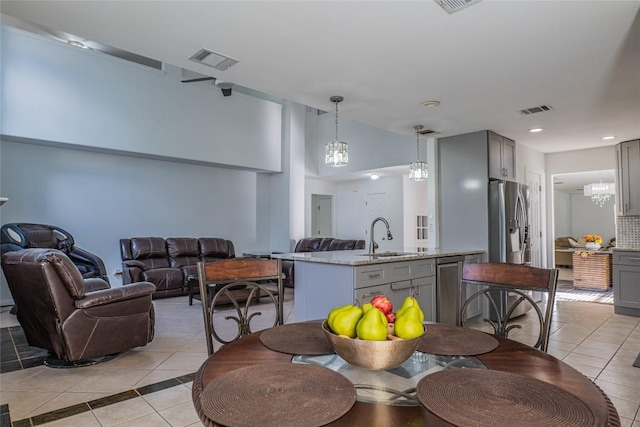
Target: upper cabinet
{"type": "Point", "coordinates": [502, 157]}
{"type": "Point", "coordinates": [628, 178]}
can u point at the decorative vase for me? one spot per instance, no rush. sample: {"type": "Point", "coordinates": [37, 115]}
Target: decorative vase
{"type": "Point", "coordinates": [592, 246]}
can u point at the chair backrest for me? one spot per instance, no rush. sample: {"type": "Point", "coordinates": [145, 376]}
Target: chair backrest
{"type": "Point", "coordinates": [239, 281]}
{"type": "Point", "coordinates": [500, 283]}
{"type": "Point", "coordinates": [44, 284]}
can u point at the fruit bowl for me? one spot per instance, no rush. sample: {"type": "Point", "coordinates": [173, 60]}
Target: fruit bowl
{"type": "Point", "coordinates": [376, 355]}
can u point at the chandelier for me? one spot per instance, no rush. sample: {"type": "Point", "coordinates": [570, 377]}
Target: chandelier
{"type": "Point", "coordinates": [336, 153]}
{"type": "Point", "coordinates": [418, 170]}
{"type": "Point", "coordinates": [599, 192]}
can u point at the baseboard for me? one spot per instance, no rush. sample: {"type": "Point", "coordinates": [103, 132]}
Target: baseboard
{"type": "Point", "coordinates": [626, 311]}
{"type": "Point", "coordinates": [6, 302]}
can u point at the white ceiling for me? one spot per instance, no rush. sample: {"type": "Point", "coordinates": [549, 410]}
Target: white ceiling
{"type": "Point", "coordinates": [484, 63]}
{"type": "Point", "coordinates": [575, 182]}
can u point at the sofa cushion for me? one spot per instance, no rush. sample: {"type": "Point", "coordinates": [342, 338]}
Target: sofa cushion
{"type": "Point", "coordinates": [213, 248]}
{"type": "Point", "coordinates": [148, 247]}
{"type": "Point", "coordinates": [308, 244]}
{"type": "Point", "coordinates": [574, 243]}
{"type": "Point", "coordinates": [164, 278]}
{"type": "Point", "coordinates": [183, 251]}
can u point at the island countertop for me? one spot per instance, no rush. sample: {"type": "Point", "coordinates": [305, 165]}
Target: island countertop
{"type": "Point", "coordinates": [362, 257]}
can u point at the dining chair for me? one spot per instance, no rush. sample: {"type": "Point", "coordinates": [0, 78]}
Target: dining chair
{"type": "Point", "coordinates": [239, 282]}
{"type": "Point", "coordinates": [506, 287]}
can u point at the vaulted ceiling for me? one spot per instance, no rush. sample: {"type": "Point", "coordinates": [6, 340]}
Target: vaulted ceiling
{"type": "Point", "coordinates": [484, 63]}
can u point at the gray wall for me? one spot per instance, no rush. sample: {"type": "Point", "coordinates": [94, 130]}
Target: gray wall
{"type": "Point", "coordinates": [100, 198]}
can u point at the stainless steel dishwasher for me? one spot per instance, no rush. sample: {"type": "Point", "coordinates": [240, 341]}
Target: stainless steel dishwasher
{"type": "Point", "coordinates": [447, 277]}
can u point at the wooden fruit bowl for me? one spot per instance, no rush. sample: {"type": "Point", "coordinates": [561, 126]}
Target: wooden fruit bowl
{"type": "Point", "coordinates": [376, 355]}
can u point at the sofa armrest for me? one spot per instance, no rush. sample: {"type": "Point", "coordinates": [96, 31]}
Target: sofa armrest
{"type": "Point", "coordinates": [134, 263]}
{"type": "Point", "coordinates": [108, 296]}
{"type": "Point", "coordinates": [93, 284]}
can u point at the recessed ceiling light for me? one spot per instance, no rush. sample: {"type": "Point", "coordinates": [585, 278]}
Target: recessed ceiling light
{"type": "Point", "coordinates": [374, 176]}
{"type": "Point", "coordinates": [534, 130]}
{"type": "Point", "coordinates": [429, 104]}
{"type": "Point", "coordinates": [608, 137]}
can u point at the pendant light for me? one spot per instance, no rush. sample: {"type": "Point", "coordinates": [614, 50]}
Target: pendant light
{"type": "Point", "coordinates": [336, 153]}
{"type": "Point", "coordinates": [418, 170]}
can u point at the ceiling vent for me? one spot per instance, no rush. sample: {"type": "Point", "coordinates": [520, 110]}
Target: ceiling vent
{"type": "Point", "coordinates": [452, 6]}
{"type": "Point", "coordinates": [538, 109]}
{"type": "Point", "coordinates": [213, 59]}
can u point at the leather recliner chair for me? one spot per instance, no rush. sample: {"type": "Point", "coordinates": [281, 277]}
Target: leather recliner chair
{"type": "Point", "coordinates": [75, 318]}
{"type": "Point", "coordinates": [17, 236]}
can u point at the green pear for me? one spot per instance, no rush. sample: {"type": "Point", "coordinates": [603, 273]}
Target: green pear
{"type": "Point", "coordinates": [366, 307]}
{"type": "Point", "coordinates": [410, 302]}
{"type": "Point", "coordinates": [409, 324]}
{"type": "Point", "coordinates": [345, 321]}
{"type": "Point", "coordinates": [332, 314]}
{"type": "Point", "coordinates": [372, 326]}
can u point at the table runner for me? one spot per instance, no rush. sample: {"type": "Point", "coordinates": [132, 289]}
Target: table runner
{"type": "Point", "coordinates": [477, 398]}
{"type": "Point", "coordinates": [278, 394]}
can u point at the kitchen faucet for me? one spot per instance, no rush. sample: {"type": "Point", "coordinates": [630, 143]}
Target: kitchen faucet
{"type": "Point", "coordinates": [372, 243]}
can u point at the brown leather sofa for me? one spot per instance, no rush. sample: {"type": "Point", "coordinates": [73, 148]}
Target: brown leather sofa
{"type": "Point", "coordinates": [317, 244]}
{"type": "Point", "coordinates": [75, 318]}
{"type": "Point", "coordinates": [168, 263]}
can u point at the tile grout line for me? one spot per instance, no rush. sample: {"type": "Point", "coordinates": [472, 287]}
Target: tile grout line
{"type": "Point", "coordinates": [79, 408]}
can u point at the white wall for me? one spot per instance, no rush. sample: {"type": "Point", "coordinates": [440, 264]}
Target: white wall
{"type": "Point", "coordinates": [355, 220]}
{"type": "Point", "coordinates": [562, 214]}
{"type": "Point", "coordinates": [369, 147]}
{"type": "Point", "coordinates": [589, 218]}
{"type": "Point", "coordinates": [593, 159]}
{"type": "Point", "coordinates": [86, 98]}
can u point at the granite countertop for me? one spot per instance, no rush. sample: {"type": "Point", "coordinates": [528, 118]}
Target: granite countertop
{"type": "Point", "coordinates": [362, 257]}
{"type": "Point", "coordinates": [626, 249]}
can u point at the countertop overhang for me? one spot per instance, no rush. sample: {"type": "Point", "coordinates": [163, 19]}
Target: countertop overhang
{"type": "Point", "coordinates": [362, 257]}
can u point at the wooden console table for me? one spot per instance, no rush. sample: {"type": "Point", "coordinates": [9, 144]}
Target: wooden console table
{"type": "Point", "coordinates": [592, 270]}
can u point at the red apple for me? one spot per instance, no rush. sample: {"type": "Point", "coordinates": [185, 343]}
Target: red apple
{"type": "Point", "coordinates": [391, 317]}
{"type": "Point", "coordinates": [382, 303]}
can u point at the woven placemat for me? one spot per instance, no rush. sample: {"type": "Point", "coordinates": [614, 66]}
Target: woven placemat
{"type": "Point", "coordinates": [477, 397]}
{"type": "Point", "coordinates": [278, 394]}
{"type": "Point", "coordinates": [448, 340]}
{"type": "Point", "coordinates": [297, 338]}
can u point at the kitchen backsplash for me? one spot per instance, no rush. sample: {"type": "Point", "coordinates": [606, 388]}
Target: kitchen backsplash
{"type": "Point", "coordinates": [628, 233]}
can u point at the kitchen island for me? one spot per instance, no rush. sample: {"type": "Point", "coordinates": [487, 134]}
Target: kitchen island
{"type": "Point", "coordinates": [324, 280]}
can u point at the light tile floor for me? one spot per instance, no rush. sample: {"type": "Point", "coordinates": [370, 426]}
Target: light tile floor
{"type": "Point", "coordinates": [588, 336]}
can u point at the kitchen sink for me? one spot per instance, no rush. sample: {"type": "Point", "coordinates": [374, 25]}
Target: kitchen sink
{"type": "Point", "coordinates": [389, 254]}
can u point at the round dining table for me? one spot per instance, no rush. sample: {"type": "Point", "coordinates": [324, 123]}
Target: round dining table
{"type": "Point", "coordinates": [509, 356]}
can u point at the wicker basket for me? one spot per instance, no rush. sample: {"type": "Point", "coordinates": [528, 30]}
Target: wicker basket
{"type": "Point", "coordinates": [591, 270]}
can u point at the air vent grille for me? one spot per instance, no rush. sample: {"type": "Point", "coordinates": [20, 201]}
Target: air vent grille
{"type": "Point", "coordinates": [538, 109]}
{"type": "Point", "coordinates": [452, 6]}
{"type": "Point", "coordinates": [213, 59]}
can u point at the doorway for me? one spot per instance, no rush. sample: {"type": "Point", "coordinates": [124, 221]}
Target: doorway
{"type": "Point", "coordinates": [321, 215]}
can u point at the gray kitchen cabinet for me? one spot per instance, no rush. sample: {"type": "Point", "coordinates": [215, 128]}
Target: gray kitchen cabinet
{"type": "Point", "coordinates": [502, 157]}
{"type": "Point", "coordinates": [397, 281]}
{"type": "Point", "coordinates": [628, 178]}
{"type": "Point", "coordinates": [626, 282]}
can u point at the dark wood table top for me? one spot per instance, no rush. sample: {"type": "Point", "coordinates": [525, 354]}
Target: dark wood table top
{"type": "Point", "coordinates": [509, 356]}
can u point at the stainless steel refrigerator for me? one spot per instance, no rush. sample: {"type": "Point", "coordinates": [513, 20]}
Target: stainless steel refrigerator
{"type": "Point", "coordinates": [509, 223]}
{"type": "Point", "coordinates": [509, 232]}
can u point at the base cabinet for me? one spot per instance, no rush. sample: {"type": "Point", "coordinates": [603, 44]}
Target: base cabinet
{"type": "Point", "coordinates": [626, 282]}
{"type": "Point", "coordinates": [403, 279]}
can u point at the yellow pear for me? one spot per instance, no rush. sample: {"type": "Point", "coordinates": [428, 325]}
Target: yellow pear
{"type": "Point", "coordinates": [372, 326]}
{"type": "Point", "coordinates": [332, 314]}
{"type": "Point", "coordinates": [366, 307]}
{"type": "Point", "coordinates": [409, 324]}
{"type": "Point", "coordinates": [410, 302]}
{"type": "Point", "coordinates": [345, 321]}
